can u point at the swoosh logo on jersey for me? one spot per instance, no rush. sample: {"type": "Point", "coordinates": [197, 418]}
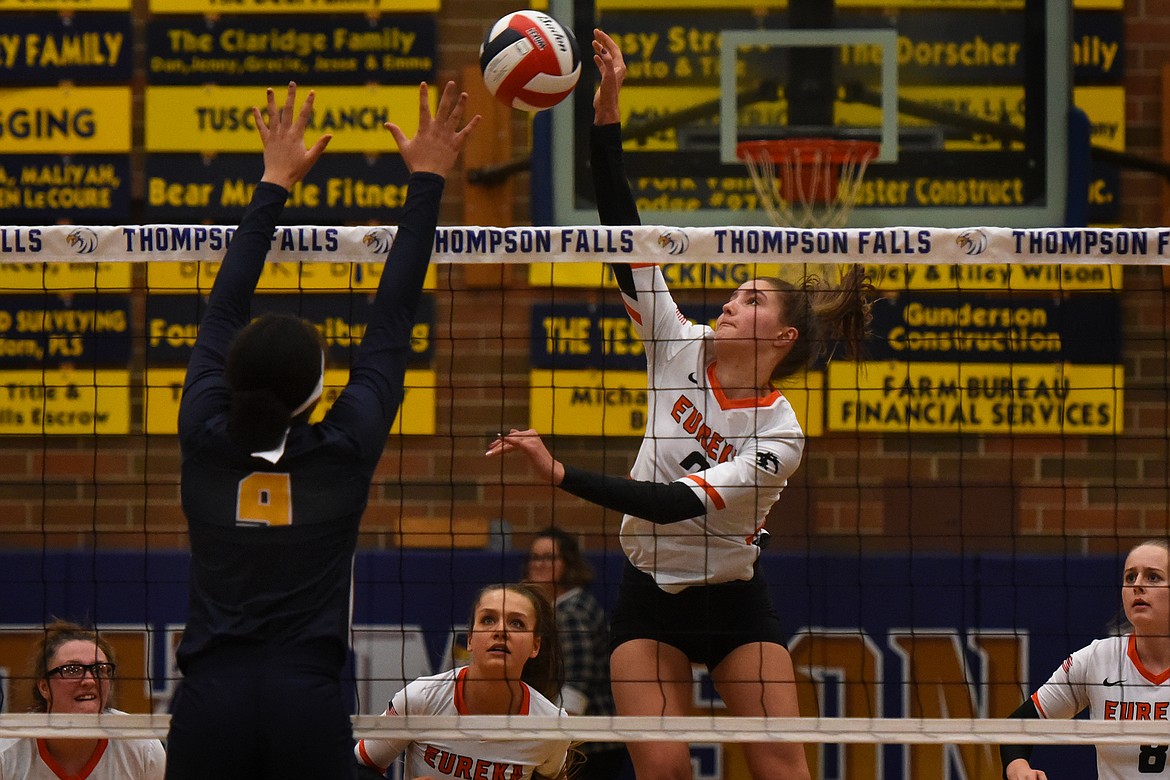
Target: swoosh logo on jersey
{"type": "Point", "coordinates": [691, 376]}
{"type": "Point", "coordinates": [1108, 684]}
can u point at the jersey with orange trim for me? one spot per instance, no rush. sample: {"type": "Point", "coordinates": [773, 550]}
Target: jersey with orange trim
{"type": "Point", "coordinates": [118, 759]}
{"type": "Point", "coordinates": [1110, 679]}
{"type": "Point", "coordinates": [736, 455]}
{"type": "Point", "coordinates": [456, 759]}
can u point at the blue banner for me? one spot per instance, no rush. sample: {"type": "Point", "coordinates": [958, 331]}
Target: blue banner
{"type": "Point", "coordinates": [81, 330]}
{"type": "Point", "coordinates": [172, 323]}
{"type": "Point", "coordinates": [43, 189]}
{"type": "Point", "coordinates": [336, 49]}
{"type": "Point", "coordinates": [85, 48]}
{"type": "Point", "coordinates": [351, 188]}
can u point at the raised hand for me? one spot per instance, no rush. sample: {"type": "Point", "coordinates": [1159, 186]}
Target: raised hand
{"type": "Point", "coordinates": [439, 140]}
{"type": "Point", "coordinates": [530, 444]}
{"type": "Point", "coordinates": [607, 56]}
{"type": "Point", "coordinates": [286, 160]}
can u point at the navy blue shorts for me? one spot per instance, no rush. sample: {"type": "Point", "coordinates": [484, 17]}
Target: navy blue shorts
{"type": "Point", "coordinates": [706, 622]}
{"type": "Point", "coordinates": [259, 712]}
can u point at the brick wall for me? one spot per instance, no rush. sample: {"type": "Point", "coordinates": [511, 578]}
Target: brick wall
{"type": "Point", "coordinates": [867, 492]}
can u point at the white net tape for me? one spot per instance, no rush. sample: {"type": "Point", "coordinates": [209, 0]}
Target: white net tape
{"type": "Point", "coordinates": [642, 244]}
{"type": "Point", "coordinates": [652, 729]}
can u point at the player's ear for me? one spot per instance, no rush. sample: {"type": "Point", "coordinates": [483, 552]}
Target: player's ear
{"type": "Point", "coordinates": [535, 647]}
{"type": "Point", "coordinates": [787, 336]}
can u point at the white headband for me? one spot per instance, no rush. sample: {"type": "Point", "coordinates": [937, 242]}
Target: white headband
{"type": "Point", "coordinates": [313, 396]}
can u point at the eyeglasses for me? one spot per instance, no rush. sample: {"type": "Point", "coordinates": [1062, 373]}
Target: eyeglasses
{"type": "Point", "coordinates": [99, 671]}
{"type": "Point", "coordinates": [543, 558]}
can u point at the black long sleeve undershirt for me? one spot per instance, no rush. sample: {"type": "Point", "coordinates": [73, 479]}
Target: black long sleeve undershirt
{"type": "Point", "coordinates": [1009, 753]}
{"type": "Point", "coordinates": [660, 503]}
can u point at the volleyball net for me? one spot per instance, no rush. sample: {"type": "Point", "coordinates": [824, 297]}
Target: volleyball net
{"type": "Point", "coordinates": [955, 530]}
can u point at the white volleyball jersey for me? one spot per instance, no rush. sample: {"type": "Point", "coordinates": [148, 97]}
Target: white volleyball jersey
{"type": "Point", "coordinates": [115, 759]}
{"type": "Point", "coordinates": [736, 455]}
{"type": "Point", "coordinates": [466, 759]}
{"type": "Point", "coordinates": [1109, 678]}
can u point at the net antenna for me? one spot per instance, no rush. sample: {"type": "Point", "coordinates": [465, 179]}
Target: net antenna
{"type": "Point", "coordinates": [807, 182]}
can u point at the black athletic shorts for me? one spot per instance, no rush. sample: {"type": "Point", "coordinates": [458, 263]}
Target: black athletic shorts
{"type": "Point", "coordinates": [706, 622]}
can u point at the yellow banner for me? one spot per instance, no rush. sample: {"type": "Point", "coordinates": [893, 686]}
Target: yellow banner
{"type": "Point", "coordinates": [590, 402]}
{"type": "Point", "coordinates": [210, 119]}
{"type": "Point", "coordinates": [65, 403]}
{"type": "Point", "coordinates": [416, 416]}
{"type": "Point", "coordinates": [74, 277]}
{"type": "Point", "coordinates": [276, 277]}
{"type": "Point", "coordinates": [1019, 398]}
{"type": "Point", "coordinates": [1106, 109]}
{"type": "Point", "coordinates": [64, 5]}
{"type": "Point", "coordinates": [679, 276]}
{"type": "Point", "coordinates": [373, 7]}
{"type": "Point", "coordinates": [996, 277]}
{"type": "Point", "coordinates": [81, 120]}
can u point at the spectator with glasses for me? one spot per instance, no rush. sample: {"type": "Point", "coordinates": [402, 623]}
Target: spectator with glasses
{"type": "Point", "coordinates": [73, 672]}
{"type": "Point", "coordinates": [556, 566]}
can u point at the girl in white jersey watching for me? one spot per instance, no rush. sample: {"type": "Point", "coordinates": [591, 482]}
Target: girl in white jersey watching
{"type": "Point", "coordinates": [1124, 677]}
{"type": "Point", "coordinates": [515, 666]}
{"type": "Point", "coordinates": [721, 442]}
{"type": "Point", "coordinates": [73, 673]}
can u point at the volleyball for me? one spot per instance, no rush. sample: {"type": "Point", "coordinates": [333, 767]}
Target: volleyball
{"type": "Point", "coordinates": [530, 61]}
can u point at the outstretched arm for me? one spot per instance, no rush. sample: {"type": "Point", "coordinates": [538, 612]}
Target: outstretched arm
{"type": "Point", "coordinates": [615, 201]}
{"type": "Point", "coordinates": [286, 161]}
{"type": "Point", "coordinates": [658, 502]}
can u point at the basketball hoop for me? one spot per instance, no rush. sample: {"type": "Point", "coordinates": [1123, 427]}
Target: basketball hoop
{"type": "Point", "coordinates": [807, 182]}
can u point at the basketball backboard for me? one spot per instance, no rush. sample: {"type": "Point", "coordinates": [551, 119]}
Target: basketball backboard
{"type": "Point", "coordinates": [969, 100]}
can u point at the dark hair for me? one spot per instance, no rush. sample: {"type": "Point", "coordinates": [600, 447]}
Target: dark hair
{"type": "Point", "coordinates": [577, 572]}
{"type": "Point", "coordinates": [824, 316]}
{"type": "Point", "coordinates": [273, 365]}
{"type": "Point", "coordinates": [545, 672]}
{"type": "Point", "coordinates": [56, 634]}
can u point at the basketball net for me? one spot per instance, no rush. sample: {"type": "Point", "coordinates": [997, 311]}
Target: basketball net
{"type": "Point", "coordinates": [807, 182]}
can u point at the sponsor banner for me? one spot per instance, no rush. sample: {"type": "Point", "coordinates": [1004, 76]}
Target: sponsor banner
{"type": "Point", "coordinates": [36, 189]}
{"type": "Point", "coordinates": [71, 402]}
{"type": "Point", "coordinates": [65, 277]}
{"type": "Point", "coordinates": [399, 49]}
{"type": "Point", "coordinates": [594, 402]}
{"type": "Point", "coordinates": [1003, 398]}
{"type": "Point", "coordinates": [988, 179]}
{"type": "Point", "coordinates": [1105, 107]}
{"type": "Point", "coordinates": [51, 330]}
{"type": "Point", "coordinates": [678, 276]}
{"type": "Point", "coordinates": [209, 118]}
{"type": "Point", "coordinates": [964, 5]}
{"type": "Point", "coordinates": [935, 46]}
{"type": "Point", "coordinates": [1098, 47]}
{"type": "Point", "coordinates": [64, 5]}
{"type": "Point", "coordinates": [885, 276]}
{"type": "Point", "coordinates": [416, 416]}
{"type": "Point", "coordinates": [352, 188]}
{"type": "Point", "coordinates": [51, 48]}
{"type": "Point", "coordinates": [209, 7]}
{"type": "Point", "coordinates": [172, 324]}
{"type": "Point", "coordinates": [639, 243]}
{"type": "Point", "coordinates": [1084, 329]}
{"type": "Point", "coordinates": [1023, 277]}
{"type": "Point", "coordinates": [277, 277]}
{"type": "Point", "coordinates": [85, 120]}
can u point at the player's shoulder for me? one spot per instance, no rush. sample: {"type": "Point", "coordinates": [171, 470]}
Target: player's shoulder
{"type": "Point", "coordinates": [539, 704]}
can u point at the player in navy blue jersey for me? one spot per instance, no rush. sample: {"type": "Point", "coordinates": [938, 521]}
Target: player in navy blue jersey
{"type": "Point", "coordinates": [272, 502]}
